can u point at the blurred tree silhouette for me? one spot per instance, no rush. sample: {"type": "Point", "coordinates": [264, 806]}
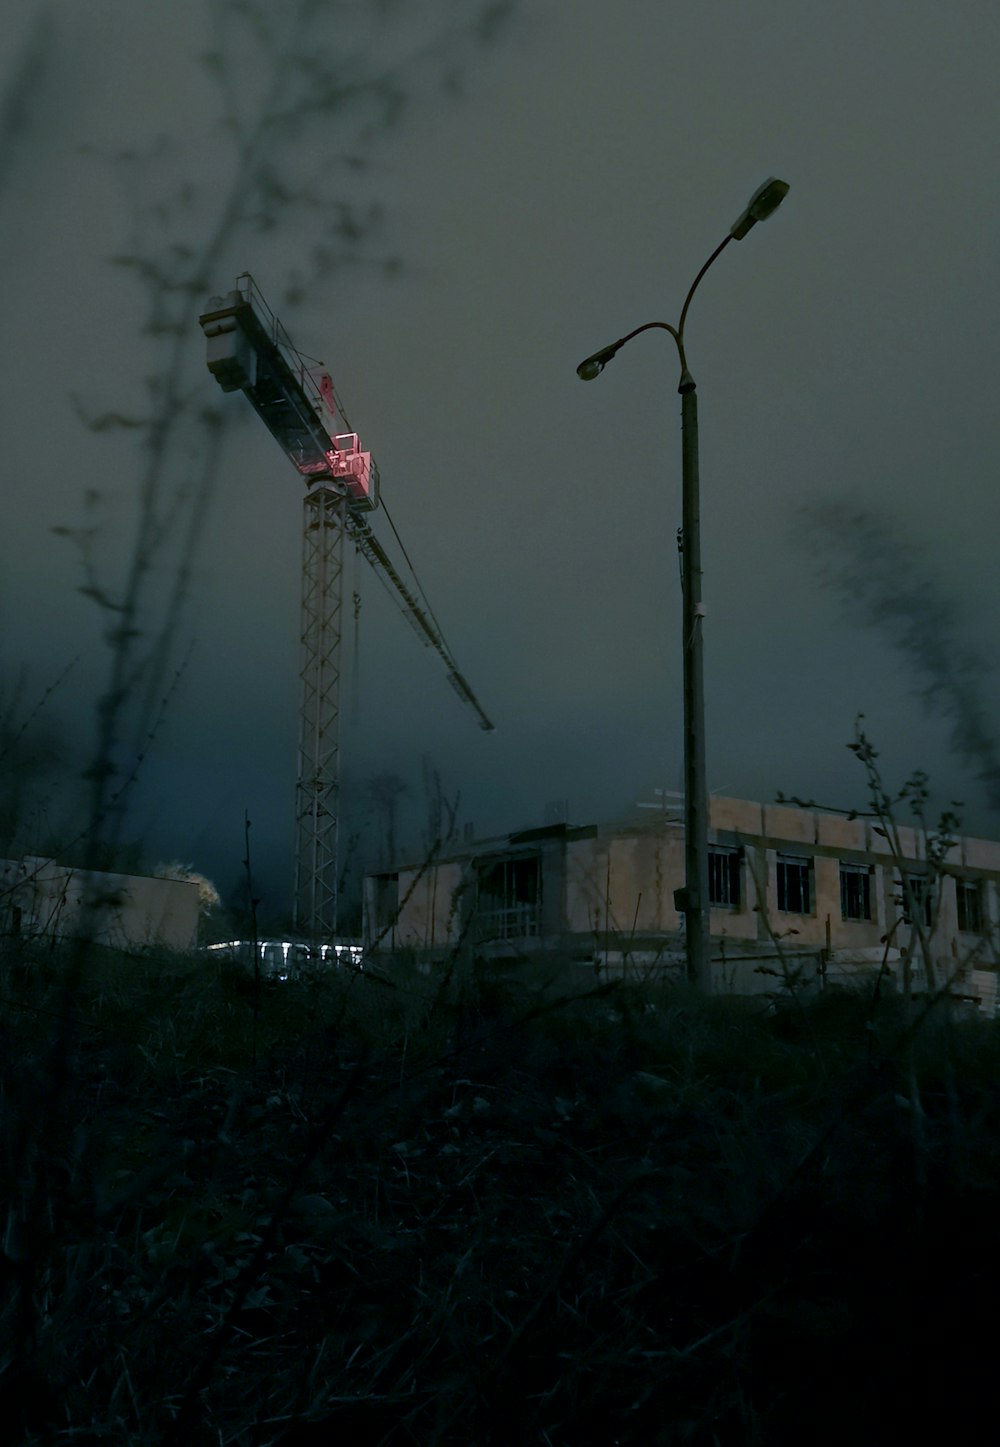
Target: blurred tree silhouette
{"type": "Point", "coordinates": [889, 584]}
{"type": "Point", "coordinates": [23, 86]}
{"type": "Point", "coordinates": [29, 771]}
{"type": "Point", "coordinates": [301, 96]}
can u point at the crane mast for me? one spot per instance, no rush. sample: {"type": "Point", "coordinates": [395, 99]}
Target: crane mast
{"type": "Point", "coordinates": [250, 351]}
{"type": "Point", "coordinates": [317, 804]}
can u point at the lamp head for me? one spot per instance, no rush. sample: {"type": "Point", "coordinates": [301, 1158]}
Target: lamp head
{"type": "Point", "coordinates": [593, 366]}
{"type": "Point", "coordinates": [766, 199]}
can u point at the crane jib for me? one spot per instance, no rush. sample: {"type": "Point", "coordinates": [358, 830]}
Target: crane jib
{"type": "Point", "coordinates": [248, 350]}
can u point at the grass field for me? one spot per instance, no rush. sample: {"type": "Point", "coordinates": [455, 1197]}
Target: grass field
{"type": "Point", "coordinates": [452, 1209]}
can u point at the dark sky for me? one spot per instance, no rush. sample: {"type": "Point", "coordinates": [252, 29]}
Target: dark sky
{"type": "Point", "coordinates": [564, 189]}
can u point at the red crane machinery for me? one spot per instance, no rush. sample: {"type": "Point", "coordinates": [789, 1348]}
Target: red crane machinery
{"type": "Point", "coordinates": [250, 351]}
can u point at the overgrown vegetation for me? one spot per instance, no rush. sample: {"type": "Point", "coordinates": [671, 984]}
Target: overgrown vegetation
{"type": "Point", "coordinates": [481, 1209]}
{"type": "Point", "coordinates": [462, 1208]}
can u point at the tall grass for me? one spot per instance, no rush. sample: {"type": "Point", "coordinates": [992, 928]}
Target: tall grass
{"type": "Point", "coordinates": [486, 1209]}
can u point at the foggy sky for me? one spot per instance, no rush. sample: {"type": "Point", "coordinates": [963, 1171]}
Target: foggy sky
{"type": "Point", "coordinates": [569, 192]}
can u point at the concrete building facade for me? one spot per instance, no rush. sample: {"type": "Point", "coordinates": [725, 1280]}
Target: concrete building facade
{"type": "Point", "coordinates": [829, 896]}
{"type": "Point", "coordinates": [49, 902]}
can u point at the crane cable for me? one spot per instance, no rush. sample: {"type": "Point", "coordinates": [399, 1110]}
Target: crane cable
{"type": "Point", "coordinates": [395, 532]}
{"type": "Point", "coordinates": [356, 671]}
{"type": "Point", "coordinates": [423, 620]}
{"type": "Point", "coordinates": [419, 585]}
{"type": "Point", "coordinates": [367, 543]}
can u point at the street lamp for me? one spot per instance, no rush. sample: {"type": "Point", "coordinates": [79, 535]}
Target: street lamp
{"type": "Point", "coordinates": [693, 899]}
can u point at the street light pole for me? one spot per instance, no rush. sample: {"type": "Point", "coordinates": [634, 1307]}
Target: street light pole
{"type": "Point", "coordinates": [693, 899]}
{"type": "Point", "coordinates": [695, 895]}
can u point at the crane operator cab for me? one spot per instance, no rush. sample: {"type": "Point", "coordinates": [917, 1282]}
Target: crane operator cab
{"type": "Point", "coordinates": [355, 469]}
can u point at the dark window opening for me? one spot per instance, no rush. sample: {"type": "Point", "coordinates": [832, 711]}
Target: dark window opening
{"type": "Point", "coordinates": [969, 898]}
{"type": "Point", "coordinates": [510, 898]}
{"type": "Point", "coordinates": [922, 895]}
{"type": "Point", "coordinates": [794, 884]}
{"type": "Point", "coordinates": [723, 877]}
{"type": "Point", "coordinates": [855, 891]}
{"type": "Point", "coordinates": [386, 902]}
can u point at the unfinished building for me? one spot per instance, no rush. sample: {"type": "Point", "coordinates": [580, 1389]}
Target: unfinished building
{"type": "Point", "coordinates": [829, 897]}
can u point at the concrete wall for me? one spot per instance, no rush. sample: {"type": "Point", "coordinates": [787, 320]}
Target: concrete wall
{"type": "Point", "coordinates": [429, 912]}
{"type": "Point", "coordinates": [40, 899]}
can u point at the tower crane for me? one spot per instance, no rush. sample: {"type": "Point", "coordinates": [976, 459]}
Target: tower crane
{"type": "Point", "coordinates": [249, 350]}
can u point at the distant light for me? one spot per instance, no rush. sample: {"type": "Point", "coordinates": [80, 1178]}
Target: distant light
{"type": "Point", "coordinates": [298, 949]}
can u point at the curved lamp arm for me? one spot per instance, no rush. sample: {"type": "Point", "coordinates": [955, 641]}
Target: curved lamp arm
{"type": "Point", "coordinates": [766, 199]}
{"type": "Point", "coordinates": [594, 365]}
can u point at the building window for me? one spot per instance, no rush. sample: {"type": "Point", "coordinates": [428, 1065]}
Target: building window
{"type": "Point", "coordinates": [385, 903]}
{"type": "Point", "coordinates": [510, 894]}
{"type": "Point", "coordinates": [855, 891]}
{"type": "Point", "coordinates": [922, 894]}
{"type": "Point", "coordinates": [969, 898]}
{"type": "Point", "coordinates": [794, 884]}
{"type": "Point", "coordinates": [723, 877]}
